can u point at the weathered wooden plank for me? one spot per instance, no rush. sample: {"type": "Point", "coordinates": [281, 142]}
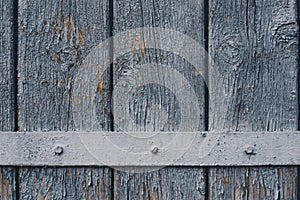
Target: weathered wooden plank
{"type": "Point", "coordinates": [7, 112]}
{"type": "Point", "coordinates": [167, 183]}
{"type": "Point", "coordinates": [96, 149]}
{"type": "Point", "coordinates": [7, 67]}
{"type": "Point", "coordinates": [54, 38]}
{"type": "Point", "coordinates": [253, 87]}
{"type": "Point", "coordinates": [7, 183]}
{"type": "Point", "coordinates": [65, 183]}
{"type": "Point", "coordinates": [151, 100]}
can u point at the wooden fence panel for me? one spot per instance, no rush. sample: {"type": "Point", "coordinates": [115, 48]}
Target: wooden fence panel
{"type": "Point", "coordinates": [254, 46]}
{"type": "Point", "coordinates": [253, 87]}
{"type": "Point", "coordinates": [153, 107]}
{"type": "Point", "coordinates": [7, 112]}
{"type": "Point", "coordinates": [54, 38]}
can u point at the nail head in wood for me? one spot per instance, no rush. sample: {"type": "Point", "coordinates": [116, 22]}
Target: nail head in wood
{"type": "Point", "coordinates": [250, 151]}
{"type": "Point", "coordinates": [58, 150]}
{"type": "Point", "coordinates": [155, 150]}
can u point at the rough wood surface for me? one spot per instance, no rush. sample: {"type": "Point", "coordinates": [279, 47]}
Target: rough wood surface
{"type": "Point", "coordinates": [7, 123]}
{"type": "Point", "coordinates": [7, 183]}
{"type": "Point", "coordinates": [167, 183]}
{"type": "Point", "coordinates": [7, 67]}
{"type": "Point", "coordinates": [254, 46]}
{"type": "Point", "coordinates": [54, 38]}
{"type": "Point", "coordinates": [152, 106]}
{"type": "Point", "coordinates": [65, 183]}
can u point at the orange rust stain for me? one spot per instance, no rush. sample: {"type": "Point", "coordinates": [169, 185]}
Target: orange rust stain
{"type": "Point", "coordinates": [6, 187]}
{"type": "Point", "coordinates": [81, 38]}
{"type": "Point", "coordinates": [69, 175]}
{"type": "Point", "coordinates": [103, 100]}
{"type": "Point", "coordinates": [69, 89]}
{"type": "Point", "coordinates": [100, 72]}
{"type": "Point", "coordinates": [152, 195]}
{"type": "Point", "coordinates": [68, 26]}
{"type": "Point", "coordinates": [101, 88]}
{"type": "Point", "coordinates": [78, 101]}
{"type": "Point", "coordinates": [224, 179]}
{"type": "Point", "coordinates": [106, 110]}
{"type": "Point", "coordinates": [133, 48]}
{"type": "Point", "coordinates": [58, 58]}
{"type": "Point", "coordinates": [144, 44]}
{"type": "Point", "coordinates": [140, 43]}
{"type": "Point", "coordinates": [57, 27]}
{"type": "Point", "coordinates": [59, 84]}
{"type": "Point", "coordinates": [78, 56]}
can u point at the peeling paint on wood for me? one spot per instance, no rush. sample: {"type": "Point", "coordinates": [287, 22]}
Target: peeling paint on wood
{"type": "Point", "coordinates": [7, 183]}
{"type": "Point", "coordinates": [253, 87]}
{"type": "Point", "coordinates": [167, 183]}
{"type": "Point", "coordinates": [88, 183]}
{"type": "Point", "coordinates": [254, 45]}
{"type": "Point", "coordinates": [7, 119]}
{"type": "Point", "coordinates": [6, 67]}
{"type": "Point", "coordinates": [54, 39]}
{"type": "Point", "coordinates": [154, 107]}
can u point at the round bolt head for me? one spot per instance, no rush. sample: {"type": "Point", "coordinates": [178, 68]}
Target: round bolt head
{"type": "Point", "coordinates": [250, 150]}
{"type": "Point", "coordinates": [155, 150]}
{"type": "Point", "coordinates": [58, 150]}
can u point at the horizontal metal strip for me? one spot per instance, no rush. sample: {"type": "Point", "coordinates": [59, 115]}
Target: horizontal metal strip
{"type": "Point", "coordinates": [149, 149]}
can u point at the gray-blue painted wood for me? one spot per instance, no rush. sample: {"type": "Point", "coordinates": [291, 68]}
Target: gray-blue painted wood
{"type": "Point", "coordinates": [7, 118]}
{"type": "Point", "coordinates": [54, 38]}
{"type": "Point", "coordinates": [254, 45]}
{"type": "Point", "coordinates": [152, 105]}
{"type": "Point", "coordinates": [253, 87]}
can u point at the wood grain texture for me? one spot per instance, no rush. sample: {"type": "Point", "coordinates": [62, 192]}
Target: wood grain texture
{"type": "Point", "coordinates": [54, 38]}
{"type": "Point", "coordinates": [7, 112]}
{"type": "Point", "coordinates": [153, 107]}
{"type": "Point", "coordinates": [7, 183]}
{"type": "Point", "coordinates": [65, 183]}
{"type": "Point", "coordinates": [254, 46]}
{"type": "Point", "coordinates": [7, 67]}
{"type": "Point", "coordinates": [167, 183]}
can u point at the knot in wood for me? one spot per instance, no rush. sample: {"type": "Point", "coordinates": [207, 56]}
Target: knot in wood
{"type": "Point", "coordinates": [229, 53]}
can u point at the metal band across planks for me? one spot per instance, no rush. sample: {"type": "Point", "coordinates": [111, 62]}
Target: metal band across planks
{"type": "Point", "coordinates": [160, 149]}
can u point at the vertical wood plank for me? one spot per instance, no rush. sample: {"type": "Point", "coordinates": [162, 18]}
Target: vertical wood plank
{"type": "Point", "coordinates": [153, 107]}
{"type": "Point", "coordinates": [253, 87]}
{"type": "Point", "coordinates": [7, 183]}
{"type": "Point", "coordinates": [7, 112]}
{"type": "Point", "coordinates": [54, 38]}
